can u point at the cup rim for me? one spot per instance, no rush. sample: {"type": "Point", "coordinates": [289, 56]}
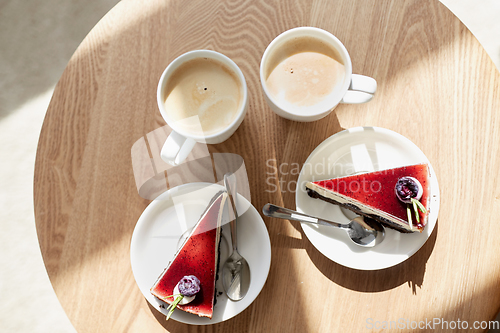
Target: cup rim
{"type": "Point", "coordinates": [170, 69]}
{"type": "Point", "coordinates": [296, 32]}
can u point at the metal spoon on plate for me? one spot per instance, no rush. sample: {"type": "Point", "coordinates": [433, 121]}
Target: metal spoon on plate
{"type": "Point", "coordinates": [235, 272]}
{"type": "Point", "coordinates": [363, 231]}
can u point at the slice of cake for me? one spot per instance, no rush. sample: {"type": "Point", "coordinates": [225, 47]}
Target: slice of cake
{"type": "Point", "coordinates": [399, 198]}
{"type": "Point", "coordinates": [198, 257]}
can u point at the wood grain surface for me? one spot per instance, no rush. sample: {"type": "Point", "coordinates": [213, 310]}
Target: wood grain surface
{"type": "Point", "coordinates": [436, 86]}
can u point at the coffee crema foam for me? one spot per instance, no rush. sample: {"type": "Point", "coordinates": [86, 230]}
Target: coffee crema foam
{"type": "Point", "coordinates": [304, 73]}
{"type": "Point", "coordinates": [203, 96]}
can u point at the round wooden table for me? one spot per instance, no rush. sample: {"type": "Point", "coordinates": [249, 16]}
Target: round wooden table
{"type": "Point", "coordinates": [436, 86]}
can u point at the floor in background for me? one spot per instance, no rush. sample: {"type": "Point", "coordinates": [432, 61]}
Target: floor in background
{"type": "Point", "coordinates": [37, 39]}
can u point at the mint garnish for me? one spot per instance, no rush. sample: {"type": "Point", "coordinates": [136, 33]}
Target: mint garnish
{"type": "Point", "coordinates": [417, 206]}
{"type": "Point", "coordinates": [172, 306]}
{"type": "Point", "coordinates": [410, 222]}
{"type": "Point", "coordinates": [420, 206]}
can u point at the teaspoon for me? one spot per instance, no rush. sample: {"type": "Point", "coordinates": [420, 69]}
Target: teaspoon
{"type": "Point", "coordinates": [235, 272]}
{"type": "Point", "coordinates": [362, 230]}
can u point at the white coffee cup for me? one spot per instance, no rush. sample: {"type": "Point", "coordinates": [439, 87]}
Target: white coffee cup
{"type": "Point", "coordinates": [180, 142]}
{"type": "Point", "coordinates": [354, 89]}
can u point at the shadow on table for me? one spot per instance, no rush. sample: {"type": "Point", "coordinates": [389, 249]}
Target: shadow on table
{"type": "Point", "coordinates": [411, 270]}
{"type": "Point", "coordinates": [231, 325]}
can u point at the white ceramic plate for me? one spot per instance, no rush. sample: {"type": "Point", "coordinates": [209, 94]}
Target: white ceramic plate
{"type": "Point", "coordinates": [162, 224]}
{"type": "Point", "coordinates": [347, 152]}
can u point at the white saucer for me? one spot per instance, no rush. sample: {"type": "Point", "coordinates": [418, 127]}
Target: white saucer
{"type": "Point", "coordinates": [347, 152]}
{"type": "Point", "coordinates": [156, 239]}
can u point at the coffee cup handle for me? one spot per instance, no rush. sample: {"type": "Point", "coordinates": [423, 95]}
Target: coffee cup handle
{"type": "Point", "coordinates": [176, 148]}
{"type": "Point", "coordinates": [361, 90]}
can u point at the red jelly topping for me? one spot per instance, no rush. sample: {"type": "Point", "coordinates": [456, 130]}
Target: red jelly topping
{"type": "Point", "coordinates": [196, 257]}
{"type": "Point", "coordinates": [376, 189]}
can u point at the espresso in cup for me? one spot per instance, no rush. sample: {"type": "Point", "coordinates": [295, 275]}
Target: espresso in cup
{"type": "Point", "coordinates": [203, 96]}
{"type": "Point", "coordinates": [304, 72]}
